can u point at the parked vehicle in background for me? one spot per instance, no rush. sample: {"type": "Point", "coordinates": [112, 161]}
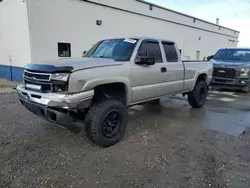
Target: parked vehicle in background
{"type": "Point", "coordinates": [231, 69]}
{"type": "Point", "coordinates": [113, 75]}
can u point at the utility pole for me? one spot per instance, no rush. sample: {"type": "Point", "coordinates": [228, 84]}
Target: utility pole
{"type": "Point", "coordinates": [11, 76]}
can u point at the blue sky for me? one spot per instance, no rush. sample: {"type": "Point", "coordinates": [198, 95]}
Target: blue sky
{"type": "Point", "coordinates": [234, 14]}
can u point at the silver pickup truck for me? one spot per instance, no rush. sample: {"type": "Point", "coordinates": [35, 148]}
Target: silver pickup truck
{"type": "Point", "coordinates": [113, 75]}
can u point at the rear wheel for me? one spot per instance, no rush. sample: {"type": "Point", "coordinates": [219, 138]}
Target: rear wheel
{"type": "Point", "coordinates": [106, 122]}
{"type": "Point", "coordinates": [197, 98]}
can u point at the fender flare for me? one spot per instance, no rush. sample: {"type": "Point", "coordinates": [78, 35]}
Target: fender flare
{"type": "Point", "coordinates": [91, 84]}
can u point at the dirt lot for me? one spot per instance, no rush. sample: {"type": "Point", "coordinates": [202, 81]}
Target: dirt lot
{"type": "Point", "coordinates": [7, 86]}
{"type": "Point", "coordinates": [169, 145]}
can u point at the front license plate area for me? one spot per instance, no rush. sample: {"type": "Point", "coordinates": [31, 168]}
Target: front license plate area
{"type": "Point", "coordinates": [33, 87]}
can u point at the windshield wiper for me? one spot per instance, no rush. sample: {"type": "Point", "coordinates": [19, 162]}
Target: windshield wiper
{"type": "Point", "coordinates": [237, 59]}
{"type": "Point", "coordinates": [100, 57]}
{"type": "Point", "coordinates": [229, 59]}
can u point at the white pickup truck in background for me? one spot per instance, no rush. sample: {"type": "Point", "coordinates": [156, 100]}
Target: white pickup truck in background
{"type": "Point", "coordinates": [113, 75]}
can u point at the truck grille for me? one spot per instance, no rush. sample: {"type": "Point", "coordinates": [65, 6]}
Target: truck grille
{"type": "Point", "coordinates": [224, 72]}
{"type": "Point", "coordinates": [41, 79]}
{"type": "Point", "coordinates": [37, 76]}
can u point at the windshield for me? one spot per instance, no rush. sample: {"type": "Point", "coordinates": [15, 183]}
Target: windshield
{"type": "Point", "coordinates": [233, 54]}
{"type": "Point", "coordinates": [116, 49]}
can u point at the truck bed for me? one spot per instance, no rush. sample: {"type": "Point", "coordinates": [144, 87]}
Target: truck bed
{"type": "Point", "coordinates": [191, 70]}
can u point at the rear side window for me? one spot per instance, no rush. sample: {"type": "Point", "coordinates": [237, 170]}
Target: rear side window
{"type": "Point", "coordinates": [170, 52]}
{"type": "Point", "coordinates": [152, 48]}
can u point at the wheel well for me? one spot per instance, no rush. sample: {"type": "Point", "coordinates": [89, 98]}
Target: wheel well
{"type": "Point", "coordinates": [113, 90]}
{"type": "Point", "coordinates": [202, 77]}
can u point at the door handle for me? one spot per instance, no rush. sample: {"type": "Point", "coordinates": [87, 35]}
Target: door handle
{"type": "Point", "coordinates": [163, 69]}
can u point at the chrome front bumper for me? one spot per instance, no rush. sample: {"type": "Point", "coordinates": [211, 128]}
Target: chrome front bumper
{"type": "Point", "coordinates": [55, 100]}
{"type": "Point", "coordinates": [49, 106]}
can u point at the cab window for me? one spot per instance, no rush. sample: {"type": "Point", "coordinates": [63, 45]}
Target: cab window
{"type": "Point", "coordinates": [152, 49]}
{"type": "Point", "coordinates": [170, 52]}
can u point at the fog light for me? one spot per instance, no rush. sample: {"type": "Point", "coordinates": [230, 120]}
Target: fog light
{"type": "Point", "coordinates": [243, 82]}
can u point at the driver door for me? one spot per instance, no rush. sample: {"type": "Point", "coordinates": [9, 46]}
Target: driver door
{"type": "Point", "coordinates": [147, 80]}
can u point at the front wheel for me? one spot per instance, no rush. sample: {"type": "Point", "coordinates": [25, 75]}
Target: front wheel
{"type": "Point", "coordinates": [106, 122]}
{"type": "Point", "coordinates": [197, 98]}
{"type": "Point", "coordinates": [246, 89]}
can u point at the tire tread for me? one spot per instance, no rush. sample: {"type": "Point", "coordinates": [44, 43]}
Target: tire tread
{"type": "Point", "coordinates": [192, 96]}
{"type": "Point", "coordinates": [94, 115]}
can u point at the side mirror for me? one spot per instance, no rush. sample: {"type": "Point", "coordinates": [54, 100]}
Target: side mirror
{"type": "Point", "coordinates": [145, 59]}
{"type": "Point", "coordinates": [83, 54]}
{"type": "Point", "coordinates": [210, 57]}
{"type": "Point", "coordinates": [205, 59]}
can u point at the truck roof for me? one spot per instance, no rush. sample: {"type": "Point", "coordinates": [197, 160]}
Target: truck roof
{"type": "Point", "coordinates": [153, 38]}
{"type": "Point", "coordinates": [235, 48]}
{"type": "Point", "coordinates": [143, 38]}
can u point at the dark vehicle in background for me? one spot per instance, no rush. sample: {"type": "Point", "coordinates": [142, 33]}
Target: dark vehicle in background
{"type": "Point", "coordinates": [231, 69]}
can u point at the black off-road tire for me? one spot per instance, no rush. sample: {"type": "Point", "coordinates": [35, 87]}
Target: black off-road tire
{"type": "Point", "coordinates": [94, 122]}
{"type": "Point", "coordinates": [195, 98]}
{"type": "Point", "coordinates": [246, 89]}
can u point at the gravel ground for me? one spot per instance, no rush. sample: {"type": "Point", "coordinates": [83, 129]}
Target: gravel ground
{"type": "Point", "coordinates": [167, 145]}
{"type": "Point", "coordinates": [7, 86]}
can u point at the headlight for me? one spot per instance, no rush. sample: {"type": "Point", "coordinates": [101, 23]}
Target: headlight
{"type": "Point", "coordinates": [244, 72]}
{"type": "Point", "coordinates": [59, 82]}
{"type": "Point", "coordinates": [60, 77]}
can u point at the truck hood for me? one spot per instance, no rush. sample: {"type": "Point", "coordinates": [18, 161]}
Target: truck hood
{"type": "Point", "coordinates": [231, 64]}
{"type": "Point", "coordinates": [71, 65]}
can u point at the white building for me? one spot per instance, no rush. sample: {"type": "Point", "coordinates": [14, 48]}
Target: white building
{"type": "Point", "coordinates": [38, 30]}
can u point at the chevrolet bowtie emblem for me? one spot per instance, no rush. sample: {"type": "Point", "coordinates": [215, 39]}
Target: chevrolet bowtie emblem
{"type": "Point", "coordinates": [33, 79]}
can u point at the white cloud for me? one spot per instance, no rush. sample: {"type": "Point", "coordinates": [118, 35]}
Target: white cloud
{"type": "Point", "coordinates": [234, 14]}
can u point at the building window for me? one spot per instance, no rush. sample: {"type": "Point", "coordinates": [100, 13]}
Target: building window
{"type": "Point", "coordinates": [64, 50]}
{"type": "Point", "coordinates": [151, 7]}
{"type": "Point", "coordinates": [194, 20]}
